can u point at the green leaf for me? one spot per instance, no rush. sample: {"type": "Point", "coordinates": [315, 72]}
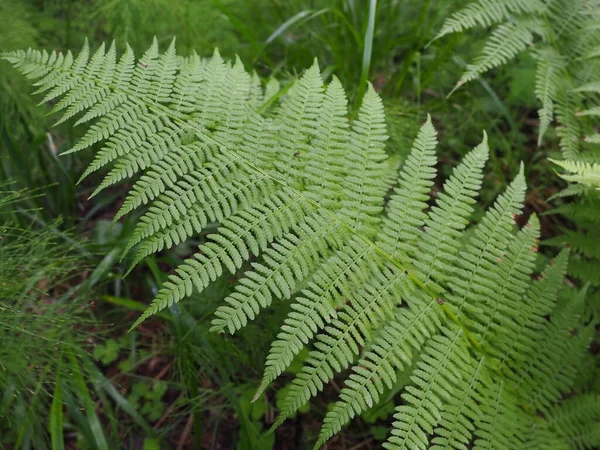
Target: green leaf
{"type": "Point", "coordinates": [151, 444]}
{"type": "Point", "coordinates": [56, 417]}
{"type": "Point", "coordinates": [107, 352]}
{"type": "Point", "coordinates": [80, 388]}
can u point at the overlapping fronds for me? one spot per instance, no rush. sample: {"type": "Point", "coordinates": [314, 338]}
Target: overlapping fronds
{"type": "Point", "coordinates": [584, 239]}
{"type": "Point", "coordinates": [562, 37]}
{"type": "Point", "coordinates": [298, 194]}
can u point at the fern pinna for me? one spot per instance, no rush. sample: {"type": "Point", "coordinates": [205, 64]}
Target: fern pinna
{"type": "Point", "coordinates": [381, 287]}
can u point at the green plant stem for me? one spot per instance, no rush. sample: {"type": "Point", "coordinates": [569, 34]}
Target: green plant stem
{"type": "Point", "coordinates": [367, 49]}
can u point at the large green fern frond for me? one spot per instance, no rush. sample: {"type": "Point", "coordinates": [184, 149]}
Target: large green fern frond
{"type": "Point", "coordinates": [298, 196]}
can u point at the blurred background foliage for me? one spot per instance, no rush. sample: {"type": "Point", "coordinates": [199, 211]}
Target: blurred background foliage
{"type": "Point", "coordinates": [171, 383]}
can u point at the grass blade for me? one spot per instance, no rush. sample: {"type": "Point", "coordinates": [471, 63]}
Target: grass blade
{"type": "Point", "coordinates": [131, 304]}
{"type": "Point", "coordinates": [300, 17]}
{"type": "Point", "coordinates": [79, 385]}
{"type": "Point", "coordinates": [56, 417]}
{"type": "Point", "coordinates": [287, 24]}
{"type": "Point", "coordinates": [101, 382]}
{"type": "Point", "coordinates": [367, 48]}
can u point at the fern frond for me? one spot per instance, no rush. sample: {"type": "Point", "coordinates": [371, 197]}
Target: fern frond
{"type": "Point", "coordinates": [405, 210]}
{"type": "Point", "coordinates": [595, 111]}
{"type": "Point", "coordinates": [453, 428]}
{"type": "Point", "coordinates": [582, 172]}
{"type": "Point", "coordinates": [288, 262]}
{"type": "Point", "coordinates": [550, 370]}
{"type": "Point", "coordinates": [435, 377]}
{"type": "Point", "coordinates": [543, 438]}
{"type": "Point", "coordinates": [59, 84]}
{"type": "Point", "coordinates": [164, 225]}
{"type": "Point", "coordinates": [297, 191]}
{"type": "Point", "coordinates": [505, 42]}
{"type": "Point", "coordinates": [399, 235]}
{"type": "Point", "coordinates": [563, 39]}
{"type": "Point", "coordinates": [88, 94]}
{"type": "Point", "coordinates": [570, 191]}
{"type": "Point", "coordinates": [456, 199]}
{"type": "Point", "coordinates": [474, 277]}
{"type": "Point", "coordinates": [392, 351]}
{"type": "Point", "coordinates": [585, 210]}
{"type": "Point", "coordinates": [450, 215]}
{"type": "Point", "coordinates": [484, 13]}
{"type": "Point", "coordinates": [569, 130]}
{"type": "Point", "coordinates": [501, 425]}
{"type": "Point", "coordinates": [515, 271]}
{"type": "Point", "coordinates": [550, 70]}
{"type": "Point", "coordinates": [331, 143]}
{"type": "Point", "coordinates": [363, 188]}
{"type": "Point", "coordinates": [337, 347]}
{"type": "Point", "coordinates": [460, 189]}
{"type": "Point", "coordinates": [585, 270]}
{"type": "Point", "coordinates": [179, 162]}
{"type": "Point", "coordinates": [360, 185]}
{"type": "Point", "coordinates": [298, 118]}
{"type": "Point", "coordinates": [564, 369]}
{"type": "Point", "coordinates": [456, 424]}
{"type": "Point", "coordinates": [193, 73]}
{"type": "Point", "coordinates": [593, 87]}
{"type": "Point", "coordinates": [316, 306]}
{"type": "Point", "coordinates": [579, 243]}
{"type": "Point", "coordinates": [256, 227]}
{"type": "Point", "coordinates": [540, 300]}
{"type": "Point", "coordinates": [593, 138]}
{"type": "Point", "coordinates": [574, 418]}
{"type": "Point", "coordinates": [593, 53]}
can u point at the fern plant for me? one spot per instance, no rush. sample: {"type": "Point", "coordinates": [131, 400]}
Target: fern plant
{"type": "Point", "coordinates": [382, 287]}
{"type": "Point", "coordinates": [564, 40]}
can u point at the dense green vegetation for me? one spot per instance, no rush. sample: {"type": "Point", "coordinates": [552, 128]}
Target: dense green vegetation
{"type": "Point", "coordinates": [301, 239]}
